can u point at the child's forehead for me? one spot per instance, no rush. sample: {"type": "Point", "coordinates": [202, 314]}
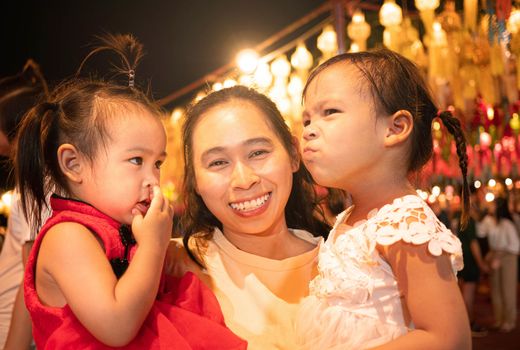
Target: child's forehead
{"type": "Point", "coordinates": [338, 79]}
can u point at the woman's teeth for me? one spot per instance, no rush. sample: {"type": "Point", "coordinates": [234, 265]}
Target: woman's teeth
{"type": "Point", "coordinates": [251, 204]}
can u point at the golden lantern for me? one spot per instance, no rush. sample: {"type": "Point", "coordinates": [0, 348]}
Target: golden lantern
{"type": "Point", "coordinates": [427, 12]}
{"type": "Point", "coordinates": [327, 42]}
{"type": "Point", "coordinates": [390, 14]}
{"type": "Point", "coordinates": [358, 30]}
{"type": "Point", "coordinates": [301, 59]}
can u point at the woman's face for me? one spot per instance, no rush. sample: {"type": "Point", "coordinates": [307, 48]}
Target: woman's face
{"type": "Point", "coordinates": [242, 171]}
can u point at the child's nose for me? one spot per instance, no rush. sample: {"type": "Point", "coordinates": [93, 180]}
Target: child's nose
{"type": "Point", "coordinates": [243, 176]}
{"type": "Point", "coordinates": [309, 133]}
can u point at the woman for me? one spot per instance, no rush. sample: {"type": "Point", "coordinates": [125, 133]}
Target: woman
{"type": "Point", "coordinates": [504, 247]}
{"type": "Point", "coordinates": [250, 209]}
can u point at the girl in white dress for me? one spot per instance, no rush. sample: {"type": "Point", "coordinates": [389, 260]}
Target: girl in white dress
{"type": "Point", "coordinates": [387, 270]}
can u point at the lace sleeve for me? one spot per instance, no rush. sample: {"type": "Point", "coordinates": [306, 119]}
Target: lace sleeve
{"type": "Point", "coordinates": [411, 220]}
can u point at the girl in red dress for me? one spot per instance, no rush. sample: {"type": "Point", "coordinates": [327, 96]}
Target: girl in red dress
{"type": "Point", "coordinates": [94, 279]}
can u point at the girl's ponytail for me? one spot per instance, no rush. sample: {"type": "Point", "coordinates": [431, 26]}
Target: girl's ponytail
{"type": "Point", "coordinates": [454, 127]}
{"type": "Point", "coordinates": [33, 143]}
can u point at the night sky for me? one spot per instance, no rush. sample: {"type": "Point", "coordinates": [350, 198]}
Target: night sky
{"type": "Point", "coordinates": [183, 39]}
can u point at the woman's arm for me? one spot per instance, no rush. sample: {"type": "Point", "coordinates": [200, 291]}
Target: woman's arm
{"type": "Point", "coordinates": [20, 328]}
{"type": "Point", "coordinates": [432, 297]}
{"type": "Point", "coordinates": [72, 261]}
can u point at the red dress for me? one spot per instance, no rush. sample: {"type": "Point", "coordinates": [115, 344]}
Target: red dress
{"type": "Point", "coordinates": [185, 315]}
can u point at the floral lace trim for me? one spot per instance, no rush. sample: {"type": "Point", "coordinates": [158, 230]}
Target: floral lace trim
{"type": "Point", "coordinates": [349, 264]}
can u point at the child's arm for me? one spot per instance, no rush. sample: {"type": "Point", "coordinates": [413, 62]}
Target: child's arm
{"type": "Point", "coordinates": [74, 263]}
{"type": "Point", "coordinates": [432, 297]}
{"type": "Point", "coordinates": [20, 328]}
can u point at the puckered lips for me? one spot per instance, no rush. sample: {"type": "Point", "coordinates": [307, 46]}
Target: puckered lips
{"type": "Point", "coordinates": [143, 206]}
{"type": "Point", "coordinates": [252, 206]}
{"type": "Point", "coordinates": [308, 152]}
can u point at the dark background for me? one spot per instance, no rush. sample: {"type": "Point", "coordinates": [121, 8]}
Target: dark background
{"type": "Point", "coordinates": [184, 39]}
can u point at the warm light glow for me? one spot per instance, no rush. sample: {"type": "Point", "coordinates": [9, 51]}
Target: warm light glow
{"type": "Point", "coordinates": [423, 5]}
{"type": "Point", "coordinates": [358, 17]}
{"type": "Point", "coordinates": [280, 67]}
{"type": "Point", "coordinates": [513, 23]}
{"type": "Point", "coordinates": [176, 115]}
{"type": "Point", "coordinates": [514, 123]}
{"type": "Point", "coordinates": [295, 86]}
{"type": "Point", "coordinates": [390, 14]}
{"type": "Point", "coordinates": [485, 139]}
{"type": "Point", "coordinates": [247, 60]}
{"type": "Point", "coordinates": [436, 190]}
{"type": "Point", "coordinates": [509, 182]}
{"type": "Point", "coordinates": [477, 184]}
{"type": "Point", "coordinates": [301, 58]}
{"type": "Point", "coordinates": [436, 126]}
{"type": "Point", "coordinates": [492, 183]}
{"type": "Point", "coordinates": [217, 86]}
{"type": "Point", "coordinates": [354, 47]}
{"type": "Point", "coordinates": [7, 198]}
{"type": "Point", "coordinates": [327, 41]}
{"type": "Point", "coordinates": [229, 83]}
{"type": "Point", "coordinates": [489, 197]}
{"type": "Point", "coordinates": [263, 77]}
{"type": "Point", "coordinates": [358, 31]}
{"type": "Point", "coordinates": [490, 113]}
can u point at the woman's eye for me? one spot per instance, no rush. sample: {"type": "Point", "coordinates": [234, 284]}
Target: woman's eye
{"type": "Point", "coordinates": [216, 163]}
{"type": "Point", "coordinates": [136, 160]}
{"type": "Point", "coordinates": [306, 122]}
{"type": "Point", "coordinates": [330, 111]}
{"type": "Point", "coordinates": [257, 153]}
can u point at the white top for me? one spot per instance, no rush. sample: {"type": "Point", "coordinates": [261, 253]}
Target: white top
{"type": "Point", "coordinates": [355, 302]}
{"type": "Point", "coordinates": [259, 297]}
{"type": "Point", "coordinates": [11, 266]}
{"type": "Point", "coordinates": [503, 237]}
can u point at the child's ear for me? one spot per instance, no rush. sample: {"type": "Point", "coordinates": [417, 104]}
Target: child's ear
{"type": "Point", "coordinates": [70, 162]}
{"type": "Point", "coordinates": [295, 154]}
{"type": "Point", "coordinates": [399, 128]}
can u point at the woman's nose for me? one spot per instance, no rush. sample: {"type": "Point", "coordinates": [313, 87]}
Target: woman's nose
{"type": "Point", "coordinates": [243, 176]}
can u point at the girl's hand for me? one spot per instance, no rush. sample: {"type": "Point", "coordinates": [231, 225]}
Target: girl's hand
{"type": "Point", "coordinates": [155, 228]}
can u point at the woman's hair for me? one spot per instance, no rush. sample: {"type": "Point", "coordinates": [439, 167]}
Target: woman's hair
{"type": "Point", "coordinates": [18, 94]}
{"type": "Point", "coordinates": [301, 205]}
{"type": "Point", "coordinates": [77, 112]}
{"type": "Point", "coordinates": [502, 209]}
{"type": "Point", "coordinates": [397, 84]}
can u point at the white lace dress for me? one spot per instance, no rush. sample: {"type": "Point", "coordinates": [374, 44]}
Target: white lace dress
{"type": "Point", "coordinates": [354, 302]}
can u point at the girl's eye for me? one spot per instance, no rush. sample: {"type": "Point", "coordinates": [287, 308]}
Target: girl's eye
{"type": "Point", "coordinates": [257, 153]}
{"type": "Point", "coordinates": [216, 163]}
{"type": "Point", "coordinates": [330, 111]}
{"type": "Point", "coordinates": [136, 160]}
{"type": "Point", "coordinates": [158, 164]}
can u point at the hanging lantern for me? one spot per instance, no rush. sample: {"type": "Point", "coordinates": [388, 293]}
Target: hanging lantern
{"type": "Point", "coordinates": [280, 67]}
{"type": "Point", "coordinates": [485, 139]}
{"type": "Point", "coordinates": [359, 30]}
{"type": "Point", "coordinates": [390, 14]}
{"type": "Point", "coordinates": [262, 76]}
{"type": "Point", "coordinates": [327, 42]}
{"type": "Point", "coordinates": [301, 59]}
{"type": "Point", "coordinates": [427, 12]}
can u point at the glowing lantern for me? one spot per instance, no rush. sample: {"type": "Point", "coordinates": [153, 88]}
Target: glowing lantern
{"type": "Point", "coordinates": [247, 60]}
{"type": "Point", "coordinates": [327, 41]}
{"type": "Point", "coordinates": [485, 139]}
{"type": "Point", "coordinates": [301, 59]}
{"type": "Point", "coordinates": [358, 30]}
{"type": "Point", "coordinates": [390, 14]}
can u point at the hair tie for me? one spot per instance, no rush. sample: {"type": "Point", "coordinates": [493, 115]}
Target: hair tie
{"type": "Point", "coordinates": [131, 77]}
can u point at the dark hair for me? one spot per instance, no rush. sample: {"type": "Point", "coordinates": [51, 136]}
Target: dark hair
{"type": "Point", "coordinates": [302, 203]}
{"type": "Point", "coordinates": [397, 84]}
{"type": "Point", "coordinates": [502, 209]}
{"type": "Point", "coordinates": [77, 113]}
{"type": "Point", "coordinates": [18, 94]}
